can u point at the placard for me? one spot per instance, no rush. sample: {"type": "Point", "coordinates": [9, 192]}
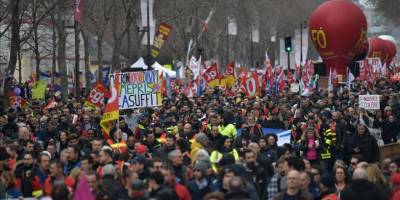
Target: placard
{"type": "Point", "coordinates": [161, 36]}
{"type": "Point", "coordinates": [139, 89]}
{"type": "Point", "coordinates": [369, 102]}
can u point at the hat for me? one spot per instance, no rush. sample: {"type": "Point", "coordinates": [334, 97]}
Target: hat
{"type": "Point", "coordinates": [395, 179]}
{"type": "Point", "coordinates": [139, 159]}
{"type": "Point", "coordinates": [201, 166]}
{"type": "Point", "coordinates": [137, 185]}
{"type": "Point", "coordinates": [327, 181]}
{"type": "Point", "coordinates": [141, 149]}
{"type": "Point", "coordinates": [201, 138]}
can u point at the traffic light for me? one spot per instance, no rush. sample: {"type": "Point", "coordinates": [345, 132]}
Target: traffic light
{"type": "Point", "coordinates": [288, 44]}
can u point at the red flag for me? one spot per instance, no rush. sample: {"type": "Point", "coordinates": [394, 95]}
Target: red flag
{"type": "Point", "coordinates": [335, 80]}
{"type": "Point", "coordinates": [290, 77]}
{"type": "Point", "coordinates": [252, 86]}
{"type": "Point", "coordinates": [51, 104]}
{"type": "Point", "coordinates": [228, 78]}
{"type": "Point", "coordinates": [298, 72]}
{"type": "Point", "coordinates": [243, 82]}
{"type": "Point", "coordinates": [310, 68]}
{"type": "Point", "coordinates": [78, 10]}
{"type": "Point", "coordinates": [111, 112]}
{"type": "Point", "coordinates": [281, 78]}
{"type": "Point", "coordinates": [242, 74]}
{"type": "Point", "coordinates": [211, 76]}
{"type": "Point", "coordinates": [163, 84]}
{"type": "Point", "coordinates": [96, 96]}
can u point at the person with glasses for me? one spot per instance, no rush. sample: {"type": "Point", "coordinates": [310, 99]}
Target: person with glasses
{"type": "Point", "coordinates": [316, 174]}
{"type": "Point", "coordinates": [156, 164]}
{"type": "Point", "coordinates": [355, 159]}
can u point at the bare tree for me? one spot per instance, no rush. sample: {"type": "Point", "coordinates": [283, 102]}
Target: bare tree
{"type": "Point", "coordinates": [390, 8]}
{"type": "Point", "coordinates": [97, 17]}
{"type": "Point", "coordinates": [59, 22]}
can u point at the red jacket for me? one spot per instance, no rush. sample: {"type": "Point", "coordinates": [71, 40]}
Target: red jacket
{"type": "Point", "coordinates": [182, 192]}
{"type": "Point", "coordinates": [48, 184]}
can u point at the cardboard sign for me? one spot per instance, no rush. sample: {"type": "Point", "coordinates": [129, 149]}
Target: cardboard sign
{"type": "Point", "coordinates": [139, 89]}
{"type": "Point", "coordinates": [369, 102]}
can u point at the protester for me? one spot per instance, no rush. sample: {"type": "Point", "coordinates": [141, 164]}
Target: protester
{"type": "Point", "coordinates": [215, 145]}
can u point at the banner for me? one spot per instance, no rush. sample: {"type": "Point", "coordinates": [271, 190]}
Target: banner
{"type": "Point", "coordinates": [161, 36]}
{"type": "Point", "coordinates": [283, 135]}
{"type": "Point", "coordinates": [252, 85]}
{"type": "Point", "coordinates": [232, 26]}
{"type": "Point", "coordinates": [152, 33]}
{"type": "Point", "coordinates": [228, 80]}
{"type": "Point", "coordinates": [143, 11]}
{"type": "Point", "coordinates": [139, 89]}
{"type": "Point", "coordinates": [255, 34]}
{"type": "Point", "coordinates": [369, 102]}
{"type": "Point", "coordinates": [211, 76]}
{"type": "Point", "coordinates": [78, 10]}
{"type": "Point", "coordinates": [305, 44]}
{"type": "Point", "coordinates": [111, 112]}
{"type": "Point", "coordinates": [282, 54]}
{"type": "Point", "coordinates": [96, 96]}
{"type": "Point", "coordinates": [38, 92]}
{"type": "Point", "coordinates": [297, 46]}
{"type": "Point", "coordinates": [194, 66]}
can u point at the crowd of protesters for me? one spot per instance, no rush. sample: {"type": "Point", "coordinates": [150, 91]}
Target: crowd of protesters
{"type": "Point", "coordinates": [190, 148]}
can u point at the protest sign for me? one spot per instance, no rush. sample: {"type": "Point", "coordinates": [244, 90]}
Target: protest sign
{"type": "Point", "coordinates": [162, 34]}
{"type": "Point", "coordinates": [139, 89]}
{"type": "Point", "coordinates": [369, 102]}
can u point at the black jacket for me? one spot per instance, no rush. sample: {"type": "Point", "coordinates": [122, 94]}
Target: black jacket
{"type": "Point", "coordinates": [163, 193]}
{"type": "Point", "coordinates": [366, 144]}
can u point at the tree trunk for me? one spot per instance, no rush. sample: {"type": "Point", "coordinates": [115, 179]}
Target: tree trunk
{"type": "Point", "coordinates": [37, 53]}
{"type": "Point", "coordinates": [53, 67]}
{"type": "Point", "coordinates": [19, 68]}
{"type": "Point", "coordinates": [116, 63]}
{"type": "Point", "coordinates": [15, 42]}
{"type": "Point", "coordinates": [100, 56]}
{"type": "Point", "coordinates": [86, 57]}
{"type": "Point", "coordinates": [131, 55]}
{"type": "Point", "coordinates": [61, 60]}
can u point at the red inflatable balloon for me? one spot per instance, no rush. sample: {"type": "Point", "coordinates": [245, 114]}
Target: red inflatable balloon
{"type": "Point", "coordinates": [378, 49]}
{"type": "Point", "coordinates": [338, 29]}
{"type": "Point", "coordinates": [391, 51]}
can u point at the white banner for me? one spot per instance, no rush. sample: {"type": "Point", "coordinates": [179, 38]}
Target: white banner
{"type": "Point", "coordinates": [232, 26]}
{"type": "Point", "coordinates": [305, 45]}
{"type": "Point", "coordinates": [255, 34]}
{"type": "Point", "coordinates": [369, 102]}
{"type": "Point", "coordinates": [282, 54]}
{"type": "Point", "coordinates": [143, 9]}
{"type": "Point", "coordinates": [297, 46]}
{"type": "Point", "coordinates": [152, 33]}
